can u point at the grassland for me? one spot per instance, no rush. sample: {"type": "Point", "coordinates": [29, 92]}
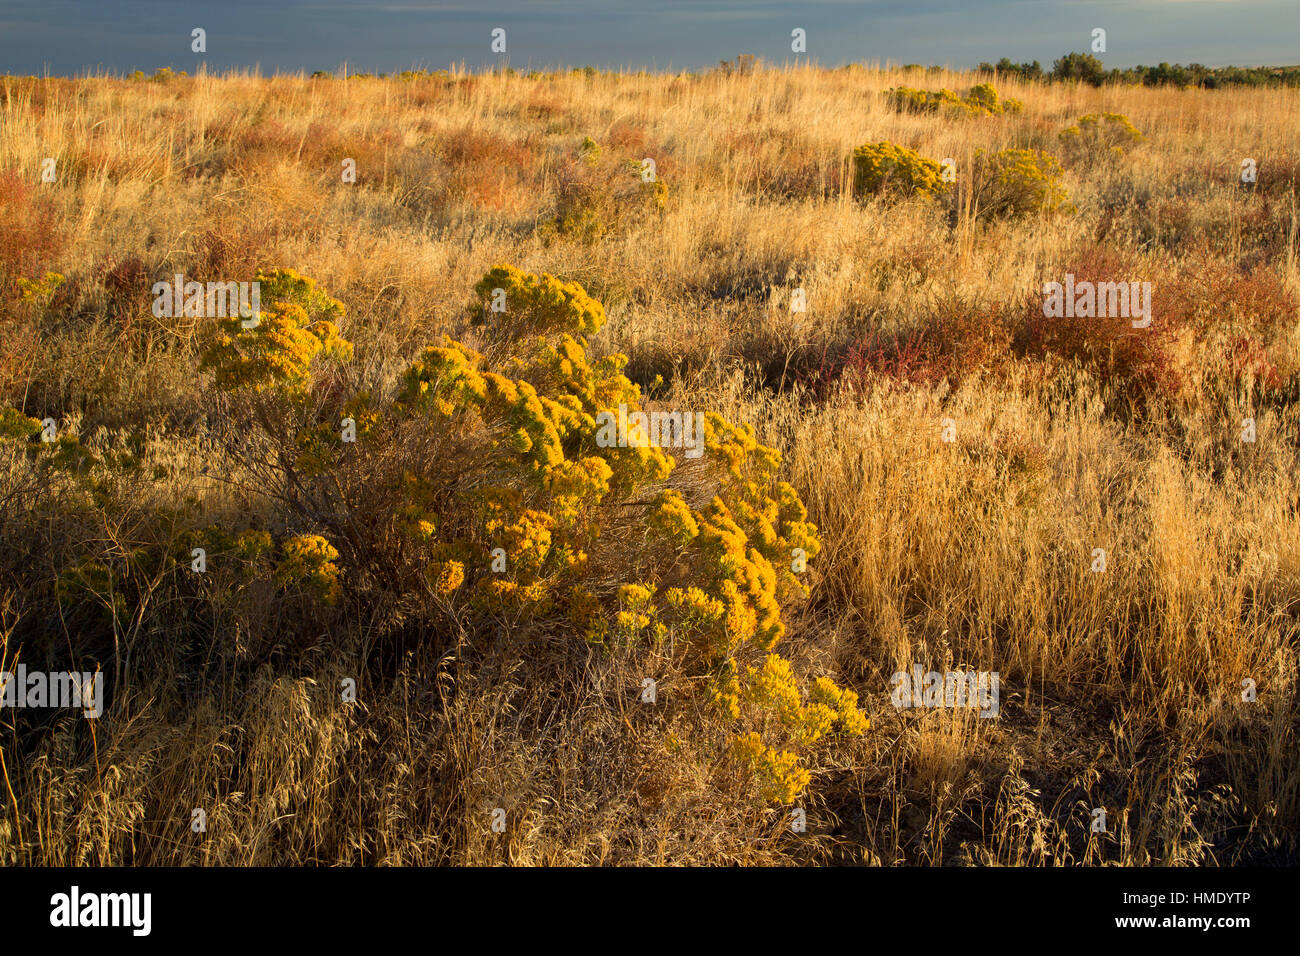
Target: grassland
{"type": "Point", "coordinates": [1121, 689]}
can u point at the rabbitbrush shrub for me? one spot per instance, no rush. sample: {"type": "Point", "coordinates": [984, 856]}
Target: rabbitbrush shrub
{"type": "Point", "coordinates": [1100, 134]}
{"type": "Point", "coordinates": [477, 492]}
{"type": "Point", "coordinates": [887, 168]}
{"type": "Point", "coordinates": [980, 100]}
{"type": "Point", "coordinates": [599, 194]}
{"type": "Point", "coordinates": [1018, 182]}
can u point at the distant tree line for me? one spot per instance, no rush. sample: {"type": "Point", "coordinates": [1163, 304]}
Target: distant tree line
{"type": "Point", "coordinates": [1086, 68]}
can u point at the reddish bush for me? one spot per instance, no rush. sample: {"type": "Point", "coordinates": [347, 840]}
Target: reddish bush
{"type": "Point", "coordinates": [265, 142]}
{"type": "Point", "coordinates": [900, 358]}
{"type": "Point", "coordinates": [127, 287]}
{"type": "Point", "coordinates": [30, 239]}
{"type": "Point", "coordinates": [1244, 318]}
{"type": "Point", "coordinates": [128, 278]}
{"type": "Point", "coordinates": [1139, 362]}
{"type": "Point", "coordinates": [628, 137]}
{"type": "Point", "coordinates": [1210, 296]}
{"type": "Point", "coordinates": [372, 151]}
{"type": "Point", "coordinates": [231, 249]}
{"type": "Point", "coordinates": [957, 341]}
{"type": "Point", "coordinates": [1249, 360]}
{"type": "Point", "coordinates": [484, 169]}
{"type": "Point", "coordinates": [1276, 176]}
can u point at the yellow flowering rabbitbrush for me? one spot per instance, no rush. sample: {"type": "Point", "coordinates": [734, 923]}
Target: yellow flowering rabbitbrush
{"type": "Point", "coordinates": [980, 100]}
{"type": "Point", "coordinates": [1095, 135]}
{"type": "Point", "coordinates": [1019, 182]}
{"type": "Point", "coordinates": [888, 168]}
{"type": "Point", "coordinates": [15, 425]}
{"type": "Point", "coordinates": [522, 514]}
{"type": "Point", "coordinates": [309, 562]}
{"type": "Point", "coordinates": [296, 326]}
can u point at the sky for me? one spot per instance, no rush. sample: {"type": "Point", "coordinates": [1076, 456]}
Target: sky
{"type": "Point", "coordinates": [66, 37]}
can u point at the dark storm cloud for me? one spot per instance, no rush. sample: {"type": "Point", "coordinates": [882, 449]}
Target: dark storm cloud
{"type": "Point", "coordinates": [68, 36]}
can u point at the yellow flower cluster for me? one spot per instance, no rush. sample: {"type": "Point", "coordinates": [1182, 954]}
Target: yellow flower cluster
{"type": "Point", "coordinates": [779, 775]}
{"type": "Point", "coordinates": [984, 97]}
{"type": "Point", "coordinates": [244, 546]}
{"type": "Point", "coordinates": [773, 687]}
{"type": "Point", "coordinates": [638, 616]}
{"type": "Point", "coordinates": [844, 703]}
{"type": "Point", "coordinates": [417, 518]}
{"type": "Point", "coordinates": [526, 539]}
{"type": "Point", "coordinates": [737, 552]}
{"type": "Point", "coordinates": [296, 325]}
{"type": "Point", "coordinates": [445, 576]}
{"type": "Point", "coordinates": [286, 285]}
{"type": "Point", "coordinates": [276, 353]}
{"type": "Point", "coordinates": [1018, 182]}
{"type": "Point", "coordinates": [673, 517]}
{"type": "Point", "coordinates": [447, 381]}
{"type": "Point", "coordinates": [980, 100]}
{"type": "Point", "coordinates": [739, 546]}
{"type": "Point", "coordinates": [523, 500]}
{"type": "Point", "coordinates": [886, 167]}
{"type": "Point", "coordinates": [529, 304]}
{"type": "Point", "coordinates": [14, 424]}
{"type": "Point", "coordinates": [538, 401]}
{"type": "Point", "coordinates": [585, 612]}
{"type": "Point", "coordinates": [1106, 133]}
{"type": "Point", "coordinates": [309, 561]}
{"type": "Point", "coordinates": [655, 194]}
{"type": "Point", "coordinates": [40, 291]}
{"type": "Point", "coordinates": [524, 558]}
{"type": "Point", "coordinates": [724, 690]}
{"type": "Point", "coordinates": [576, 486]}
{"type": "Point", "coordinates": [774, 691]}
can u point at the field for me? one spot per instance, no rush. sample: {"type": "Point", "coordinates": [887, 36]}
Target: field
{"type": "Point", "coordinates": [1104, 515]}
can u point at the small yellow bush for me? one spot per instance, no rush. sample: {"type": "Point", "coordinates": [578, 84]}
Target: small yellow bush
{"type": "Point", "coordinates": [40, 291]}
{"type": "Point", "coordinates": [14, 424]}
{"type": "Point", "coordinates": [887, 168]}
{"type": "Point", "coordinates": [601, 194]}
{"type": "Point", "coordinates": [779, 775]}
{"type": "Point", "coordinates": [309, 562]}
{"type": "Point", "coordinates": [1098, 134]}
{"type": "Point", "coordinates": [1018, 182]}
{"type": "Point", "coordinates": [65, 455]}
{"type": "Point", "coordinates": [297, 325]}
{"type": "Point", "coordinates": [980, 100]}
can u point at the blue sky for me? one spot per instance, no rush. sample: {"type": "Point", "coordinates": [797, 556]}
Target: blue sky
{"type": "Point", "coordinates": [62, 37]}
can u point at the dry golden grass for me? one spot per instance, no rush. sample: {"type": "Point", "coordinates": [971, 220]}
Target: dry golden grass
{"type": "Point", "coordinates": [1119, 690]}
